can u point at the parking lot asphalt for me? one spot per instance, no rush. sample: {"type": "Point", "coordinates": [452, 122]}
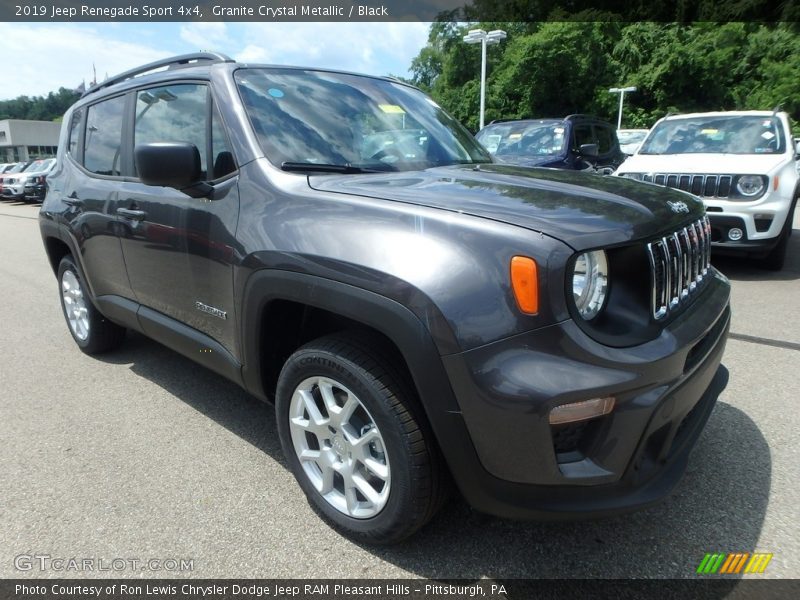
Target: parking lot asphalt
{"type": "Point", "coordinates": [142, 454]}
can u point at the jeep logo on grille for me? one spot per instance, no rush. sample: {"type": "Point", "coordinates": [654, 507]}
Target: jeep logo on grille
{"type": "Point", "coordinates": [678, 207]}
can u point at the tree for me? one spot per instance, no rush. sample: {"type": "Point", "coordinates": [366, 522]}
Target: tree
{"type": "Point", "coordinates": [556, 68]}
{"type": "Point", "coordinates": [39, 108]}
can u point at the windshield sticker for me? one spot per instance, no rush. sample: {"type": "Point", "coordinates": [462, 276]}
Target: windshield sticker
{"type": "Point", "coordinates": [767, 135]}
{"type": "Point", "coordinates": [709, 131]}
{"type": "Point", "coordinates": [392, 109]}
{"type": "Point", "coordinates": [766, 124]}
{"type": "Point", "coordinates": [515, 136]}
{"type": "Point", "coordinates": [275, 92]}
{"type": "Point", "coordinates": [558, 129]}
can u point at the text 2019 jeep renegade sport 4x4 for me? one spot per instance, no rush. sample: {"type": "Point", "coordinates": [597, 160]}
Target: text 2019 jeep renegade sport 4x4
{"type": "Point", "coordinates": [549, 340]}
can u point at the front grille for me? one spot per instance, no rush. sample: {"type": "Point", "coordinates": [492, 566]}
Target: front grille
{"type": "Point", "coordinates": [678, 263]}
{"type": "Point", "coordinates": [706, 186]}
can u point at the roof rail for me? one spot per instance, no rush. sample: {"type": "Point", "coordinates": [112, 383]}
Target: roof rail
{"type": "Point", "coordinates": [580, 116]}
{"type": "Point", "coordinates": [175, 62]}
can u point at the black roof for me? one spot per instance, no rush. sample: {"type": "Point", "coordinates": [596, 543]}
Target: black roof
{"type": "Point", "coordinates": [204, 59]}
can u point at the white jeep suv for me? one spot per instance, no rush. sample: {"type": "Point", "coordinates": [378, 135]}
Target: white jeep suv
{"type": "Point", "coordinates": [743, 166]}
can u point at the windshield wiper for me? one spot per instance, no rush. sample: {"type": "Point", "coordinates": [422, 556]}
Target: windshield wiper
{"type": "Point", "coordinates": [329, 168]}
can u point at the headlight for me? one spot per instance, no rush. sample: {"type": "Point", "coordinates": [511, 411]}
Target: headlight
{"type": "Point", "coordinates": [590, 283]}
{"type": "Point", "coordinates": [750, 185]}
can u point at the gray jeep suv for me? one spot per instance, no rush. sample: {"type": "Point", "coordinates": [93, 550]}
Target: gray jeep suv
{"type": "Point", "coordinates": [337, 244]}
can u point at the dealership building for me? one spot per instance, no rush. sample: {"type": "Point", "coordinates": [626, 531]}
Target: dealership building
{"type": "Point", "coordinates": [25, 140]}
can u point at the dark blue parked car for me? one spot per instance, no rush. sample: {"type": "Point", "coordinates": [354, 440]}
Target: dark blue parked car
{"type": "Point", "coordinates": [579, 142]}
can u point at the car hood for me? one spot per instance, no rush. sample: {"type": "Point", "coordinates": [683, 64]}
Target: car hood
{"type": "Point", "coordinates": [583, 210]}
{"type": "Point", "coordinates": [747, 164]}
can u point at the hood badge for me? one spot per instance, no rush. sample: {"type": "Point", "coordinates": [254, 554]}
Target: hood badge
{"type": "Point", "coordinates": [678, 207]}
{"type": "Point", "coordinates": [211, 310]}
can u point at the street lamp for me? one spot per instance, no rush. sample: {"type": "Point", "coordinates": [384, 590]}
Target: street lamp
{"type": "Point", "coordinates": [479, 36]}
{"type": "Point", "coordinates": [621, 92]}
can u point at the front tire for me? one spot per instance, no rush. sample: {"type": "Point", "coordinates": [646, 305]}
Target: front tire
{"type": "Point", "coordinates": [91, 331]}
{"type": "Point", "coordinates": [356, 440]}
{"type": "Point", "coordinates": [776, 258]}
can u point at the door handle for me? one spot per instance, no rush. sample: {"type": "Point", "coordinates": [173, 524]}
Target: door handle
{"type": "Point", "coordinates": [135, 215]}
{"type": "Point", "coordinates": [72, 199]}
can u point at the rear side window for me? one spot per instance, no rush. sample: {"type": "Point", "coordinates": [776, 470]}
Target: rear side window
{"type": "Point", "coordinates": [74, 131]}
{"type": "Point", "coordinates": [605, 141]}
{"type": "Point", "coordinates": [103, 137]}
{"type": "Point", "coordinates": [582, 135]}
{"type": "Point", "coordinates": [174, 113]}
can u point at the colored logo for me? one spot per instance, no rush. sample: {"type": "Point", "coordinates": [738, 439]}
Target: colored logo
{"type": "Point", "coordinates": [734, 563]}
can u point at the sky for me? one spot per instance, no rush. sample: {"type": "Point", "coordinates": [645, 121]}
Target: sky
{"type": "Point", "coordinates": [40, 58]}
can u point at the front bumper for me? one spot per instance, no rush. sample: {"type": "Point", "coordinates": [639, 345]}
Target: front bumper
{"type": "Point", "coordinates": [13, 191]}
{"type": "Point", "coordinates": [35, 192]}
{"type": "Point", "coordinates": [761, 222]}
{"type": "Point", "coordinates": [664, 389]}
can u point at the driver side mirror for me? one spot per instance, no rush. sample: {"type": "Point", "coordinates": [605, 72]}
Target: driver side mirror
{"type": "Point", "coordinates": [588, 150]}
{"type": "Point", "coordinates": [171, 164]}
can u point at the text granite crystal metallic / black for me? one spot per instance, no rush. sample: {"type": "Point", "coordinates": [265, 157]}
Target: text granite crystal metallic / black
{"type": "Point", "coordinates": [341, 246]}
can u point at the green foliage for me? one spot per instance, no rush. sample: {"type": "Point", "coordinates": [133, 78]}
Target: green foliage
{"type": "Point", "coordinates": [39, 108]}
{"type": "Point", "coordinates": [560, 67]}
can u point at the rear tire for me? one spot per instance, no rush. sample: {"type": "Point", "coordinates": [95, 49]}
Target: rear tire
{"type": "Point", "coordinates": [370, 465]}
{"type": "Point", "coordinates": [91, 331]}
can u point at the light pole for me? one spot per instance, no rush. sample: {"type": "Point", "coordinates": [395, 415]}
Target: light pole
{"type": "Point", "coordinates": [621, 92]}
{"type": "Point", "coordinates": [479, 36]}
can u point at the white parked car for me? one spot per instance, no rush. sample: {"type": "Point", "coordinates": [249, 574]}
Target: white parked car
{"type": "Point", "coordinates": [743, 166]}
{"type": "Point", "coordinates": [14, 185]}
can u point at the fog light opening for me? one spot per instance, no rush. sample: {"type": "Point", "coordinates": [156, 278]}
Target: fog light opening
{"type": "Point", "coordinates": [581, 411]}
{"type": "Point", "coordinates": [735, 234]}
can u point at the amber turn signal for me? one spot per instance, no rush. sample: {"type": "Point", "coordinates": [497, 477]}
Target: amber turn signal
{"type": "Point", "coordinates": [525, 282]}
{"type": "Point", "coordinates": [581, 411]}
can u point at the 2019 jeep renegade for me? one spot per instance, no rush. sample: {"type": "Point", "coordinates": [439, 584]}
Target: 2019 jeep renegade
{"type": "Point", "coordinates": [337, 243]}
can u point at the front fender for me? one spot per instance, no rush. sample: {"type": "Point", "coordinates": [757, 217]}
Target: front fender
{"type": "Point", "coordinates": [411, 336]}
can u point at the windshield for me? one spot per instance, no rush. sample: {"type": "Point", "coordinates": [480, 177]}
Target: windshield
{"type": "Point", "coordinates": [630, 137]}
{"type": "Point", "coordinates": [39, 165]}
{"type": "Point", "coordinates": [17, 168]}
{"type": "Point", "coordinates": [523, 138]}
{"type": "Point", "coordinates": [315, 117]}
{"type": "Point", "coordinates": [717, 135]}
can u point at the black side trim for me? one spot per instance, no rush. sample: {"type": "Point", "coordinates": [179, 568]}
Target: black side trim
{"type": "Point", "coordinates": [119, 310]}
{"type": "Point", "coordinates": [181, 338]}
{"type": "Point", "coordinates": [191, 343]}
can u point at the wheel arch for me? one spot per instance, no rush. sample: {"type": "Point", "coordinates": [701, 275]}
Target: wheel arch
{"type": "Point", "coordinates": [267, 289]}
{"type": "Point", "coordinates": [275, 300]}
{"type": "Point", "coordinates": [56, 249]}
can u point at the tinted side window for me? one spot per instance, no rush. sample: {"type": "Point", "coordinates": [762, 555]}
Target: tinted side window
{"type": "Point", "coordinates": [223, 163]}
{"type": "Point", "coordinates": [103, 138]}
{"type": "Point", "coordinates": [582, 135]}
{"type": "Point", "coordinates": [605, 141]}
{"type": "Point", "coordinates": [74, 131]}
{"type": "Point", "coordinates": [174, 113]}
